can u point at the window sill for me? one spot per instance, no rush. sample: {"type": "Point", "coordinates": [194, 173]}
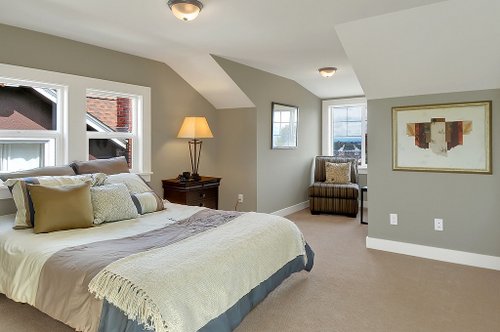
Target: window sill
{"type": "Point", "coordinates": [363, 170]}
{"type": "Point", "coordinates": [145, 175]}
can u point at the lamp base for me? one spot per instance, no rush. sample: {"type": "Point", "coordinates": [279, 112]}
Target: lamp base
{"type": "Point", "coordinates": [195, 177]}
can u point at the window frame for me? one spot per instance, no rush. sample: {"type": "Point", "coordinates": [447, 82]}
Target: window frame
{"type": "Point", "coordinates": [327, 126]}
{"type": "Point", "coordinates": [71, 133]}
{"type": "Point", "coordinates": [137, 121]}
{"type": "Point", "coordinates": [293, 124]}
{"type": "Point", "coordinates": [40, 135]}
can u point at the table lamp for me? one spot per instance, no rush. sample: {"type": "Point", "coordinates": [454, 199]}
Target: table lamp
{"type": "Point", "coordinates": [194, 128]}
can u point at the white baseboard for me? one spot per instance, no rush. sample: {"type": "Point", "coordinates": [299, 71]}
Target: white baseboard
{"type": "Point", "coordinates": [440, 254]}
{"type": "Point", "coordinates": [292, 209]}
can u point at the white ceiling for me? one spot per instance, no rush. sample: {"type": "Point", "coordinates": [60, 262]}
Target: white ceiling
{"type": "Point", "coordinates": [445, 47]}
{"type": "Point", "coordinates": [290, 38]}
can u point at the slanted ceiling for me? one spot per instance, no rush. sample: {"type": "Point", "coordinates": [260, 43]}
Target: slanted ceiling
{"type": "Point", "coordinates": [289, 38]}
{"type": "Point", "coordinates": [445, 47]}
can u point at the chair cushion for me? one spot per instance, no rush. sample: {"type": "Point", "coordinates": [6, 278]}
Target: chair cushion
{"type": "Point", "coordinates": [325, 189]}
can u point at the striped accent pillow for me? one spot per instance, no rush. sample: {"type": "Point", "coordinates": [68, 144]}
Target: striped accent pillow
{"type": "Point", "coordinates": [25, 215]}
{"type": "Point", "coordinates": [146, 200]}
{"type": "Point", "coordinates": [339, 173]}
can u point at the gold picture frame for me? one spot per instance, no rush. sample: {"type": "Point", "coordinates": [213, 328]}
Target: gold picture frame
{"type": "Point", "coordinates": [454, 137]}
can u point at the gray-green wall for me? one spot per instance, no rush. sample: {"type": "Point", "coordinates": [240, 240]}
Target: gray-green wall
{"type": "Point", "coordinates": [237, 157]}
{"type": "Point", "coordinates": [283, 176]}
{"type": "Point", "coordinates": [468, 203]}
{"type": "Point", "coordinates": [240, 152]}
{"type": "Point", "coordinates": [172, 98]}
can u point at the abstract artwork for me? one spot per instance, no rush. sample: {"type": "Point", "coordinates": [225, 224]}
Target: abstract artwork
{"type": "Point", "coordinates": [443, 138]}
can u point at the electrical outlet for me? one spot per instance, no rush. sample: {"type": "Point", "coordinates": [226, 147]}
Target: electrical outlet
{"type": "Point", "coordinates": [438, 224]}
{"type": "Point", "coordinates": [240, 198]}
{"type": "Point", "coordinates": [393, 219]}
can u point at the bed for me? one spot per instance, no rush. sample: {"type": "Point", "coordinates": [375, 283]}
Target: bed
{"type": "Point", "coordinates": [181, 269]}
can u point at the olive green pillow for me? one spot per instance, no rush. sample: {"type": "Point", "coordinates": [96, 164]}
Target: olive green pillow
{"type": "Point", "coordinates": [60, 208]}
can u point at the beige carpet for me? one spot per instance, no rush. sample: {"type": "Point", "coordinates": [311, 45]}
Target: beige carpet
{"type": "Point", "coordinates": [350, 289]}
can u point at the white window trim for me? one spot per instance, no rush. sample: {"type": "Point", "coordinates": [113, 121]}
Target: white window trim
{"type": "Point", "coordinates": [326, 144]}
{"type": "Point", "coordinates": [137, 124]}
{"type": "Point", "coordinates": [71, 120]}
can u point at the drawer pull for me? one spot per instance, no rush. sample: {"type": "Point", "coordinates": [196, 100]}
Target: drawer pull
{"type": "Point", "coordinates": [203, 195]}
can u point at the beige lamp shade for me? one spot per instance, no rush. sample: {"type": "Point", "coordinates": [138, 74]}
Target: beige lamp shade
{"type": "Point", "coordinates": [195, 127]}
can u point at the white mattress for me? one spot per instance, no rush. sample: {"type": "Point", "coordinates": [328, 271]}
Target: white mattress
{"type": "Point", "coordinates": [23, 253]}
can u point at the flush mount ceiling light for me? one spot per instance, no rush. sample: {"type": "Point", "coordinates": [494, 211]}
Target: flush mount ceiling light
{"type": "Point", "coordinates": [327, 71]}
{"type": "Point", "coordinates": [186, 10]}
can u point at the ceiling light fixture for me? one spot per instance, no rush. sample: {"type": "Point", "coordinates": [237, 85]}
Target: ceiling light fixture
{"type": "Point", "coordinates": [186, 10]}
{"type": "Point", "coordinates": [327, 71]}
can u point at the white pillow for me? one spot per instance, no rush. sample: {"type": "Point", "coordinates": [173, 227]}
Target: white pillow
{"type": "Point", "coordinates": [147, 202]}
{"type": "Point", "coordinates": [112, 202]}
{"type": "Point", "coordinates": [134, 182]}
{"type": "Point", "coordinates": [145, 199]}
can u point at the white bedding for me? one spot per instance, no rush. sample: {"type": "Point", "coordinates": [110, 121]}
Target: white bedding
{"type": "Point", "coordinates": [23, 253]}
{"type": "Point", "coordinates": [219, 267]}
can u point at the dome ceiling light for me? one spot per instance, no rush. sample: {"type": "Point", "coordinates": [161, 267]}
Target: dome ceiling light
{"type": "Point", "coordinates": [186, 10]}
{"type": "Point", "coordinates": [327, 71]}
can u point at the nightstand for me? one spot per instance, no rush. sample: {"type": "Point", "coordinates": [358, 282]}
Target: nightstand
{"type": "Point", "coordinates": [196, 193]}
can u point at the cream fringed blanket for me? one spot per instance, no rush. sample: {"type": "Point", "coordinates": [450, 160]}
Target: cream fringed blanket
{"type": "Point", "coordinates": [183, 286]}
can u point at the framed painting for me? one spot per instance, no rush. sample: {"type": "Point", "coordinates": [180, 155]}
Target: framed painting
{"type": "Point", "coordinates": [285, 120]}
{"type": "Point", "coordinates": [442, 138]}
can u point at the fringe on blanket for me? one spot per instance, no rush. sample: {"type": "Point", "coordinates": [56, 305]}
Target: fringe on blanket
{"type": "Point", "coordinates": [131, 299]}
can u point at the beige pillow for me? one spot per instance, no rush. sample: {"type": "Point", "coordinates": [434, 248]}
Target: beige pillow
{"type": "Point", "coordinates": [60, 208]}
{"type": "Point", "coordinates": [42, 171]}
{"type": "Point", "coordinates": [339, 173]}
{"type": "Point", "coordinates": [19, 190]}
{"type": "Point", "coordinates": [106, 166]}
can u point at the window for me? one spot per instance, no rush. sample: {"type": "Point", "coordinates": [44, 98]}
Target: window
{"type": "Point", "coordinates": [345, 129]}
{"type": "Point", "coordinates": [29, 124]}
{"type": "Point", "coordinates": [284, 126]}
{"type": "Point", "coordinates": [111, 125]}
{"type": "Point", "coordinates": [44, 124]}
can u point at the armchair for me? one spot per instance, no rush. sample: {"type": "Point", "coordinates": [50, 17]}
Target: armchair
{"type": "Point", "coordinates": [331, 197]}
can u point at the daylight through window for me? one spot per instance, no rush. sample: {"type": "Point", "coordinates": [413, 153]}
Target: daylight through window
{"type": "Point", "coordinates": [347, 129]}
{"type": "Point", "coordinates": [29, 130]}
{"type": "Point", "coordinates": [49, 118]}
{"type": "Point", "coordinates": [111, 125]}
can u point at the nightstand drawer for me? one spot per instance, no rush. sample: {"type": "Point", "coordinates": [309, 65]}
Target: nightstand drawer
{"type": "Point", "coordinates": [195, 193]}
{"type": "Point", "coordinates": [202, 194]}
{"type": "Point", "coordinates": [207, 202]}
